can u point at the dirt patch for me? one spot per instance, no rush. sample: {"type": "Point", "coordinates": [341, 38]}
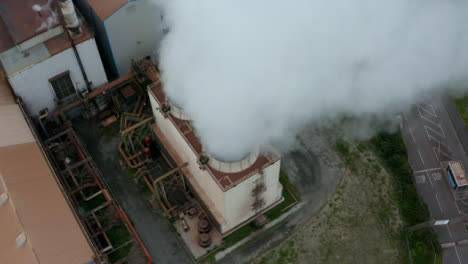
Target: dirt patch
{"type": "Point", "coordinates": [359, 224]}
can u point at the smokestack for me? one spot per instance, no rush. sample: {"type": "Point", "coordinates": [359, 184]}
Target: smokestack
{"type": "Point", "coordinates": [71, 19]}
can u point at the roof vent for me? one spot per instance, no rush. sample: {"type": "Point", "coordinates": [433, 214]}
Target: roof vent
{"type": "Point", "coordinates": [20, 240]}
{"type": "Point", "coordinates": [3, 198]}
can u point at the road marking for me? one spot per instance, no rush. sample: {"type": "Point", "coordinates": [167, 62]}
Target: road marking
{"type": "Point", "coordinates": [448, 228]}
{"type": "Point", "coordinates": [429, 178]}
{"type": "Point", "coordinates": [412, 136]}
{"type": "Point", "coordinates": [440, 207]}
{"type": "Point", "coordinates": [430, 128]}
{"type": "Point", "coordinates": [426, 170]}
{"type": "Point", "coordinates": [420, 179]}
{"type": "Point", "coordinates": [458, 209]}
{"type": "Point", "coordinates": [458, 257]}
{"type": "Point", "coordinates": [420, 156]}
{"type": "Point", "coordinates": [437, 153]}
{"type": "Point", "coordinates": [436, 176]}
{"type": "Point", "coordinates": [432, 113]}
{"type": "Point", "coordinates": [432, 122]}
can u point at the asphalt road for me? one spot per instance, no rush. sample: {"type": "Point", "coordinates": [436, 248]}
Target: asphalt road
{"type": "Point", "coordinates": [430, 137]}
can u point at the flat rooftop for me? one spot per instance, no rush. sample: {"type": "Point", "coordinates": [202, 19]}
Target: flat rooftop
{"type": "Point", "coordinates": [36, 206]}
{"type": "Point", "coordinates": [105, 9]}
{"type": "Point", "coordinates": [225, 179]}
{"type": "Point", "coordinates": [459, 173]}
{"type": "Point", "coordinates": [19, 23]}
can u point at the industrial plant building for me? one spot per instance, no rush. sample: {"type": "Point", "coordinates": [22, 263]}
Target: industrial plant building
{"type": "Point", "coordinates": [48, 53]}
{"type": "Point", "coordinates": [234, 192]}
{"type": "Point", "coordinates": [37, 223]}
{"type": "Point", "coordinates": [125, 30]}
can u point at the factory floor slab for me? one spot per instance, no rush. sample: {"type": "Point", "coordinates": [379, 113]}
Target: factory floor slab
{"type": "Point", "coordinates": [155, 230]}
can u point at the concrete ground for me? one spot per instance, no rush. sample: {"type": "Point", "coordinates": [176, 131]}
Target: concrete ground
{"type": "Point", "coordinates": [155, 231]}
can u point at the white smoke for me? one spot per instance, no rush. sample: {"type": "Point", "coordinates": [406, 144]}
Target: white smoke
{"type": "Point", "coordinates": [249, 72]}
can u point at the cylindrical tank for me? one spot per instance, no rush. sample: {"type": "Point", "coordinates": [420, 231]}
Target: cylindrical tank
{"type": "Point", "coordinates": [234, 166]}
{"type": "Point", "coordinates": [204, 240]}
{"type": "Point", "coordinates": [147, 141]}
{"type": "Point", "coordinates": [147, 152]}
{"type": "Point", "coordinates": [69, 15]}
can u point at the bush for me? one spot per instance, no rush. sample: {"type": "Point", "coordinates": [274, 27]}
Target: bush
{"type": "Point", "coordinates": [392, 151]}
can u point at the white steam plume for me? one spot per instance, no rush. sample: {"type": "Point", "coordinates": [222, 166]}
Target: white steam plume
{"type": "Point", "coordinates": [250, 71]}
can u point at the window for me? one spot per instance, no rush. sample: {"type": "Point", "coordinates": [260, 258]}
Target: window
{"type": "Point", "coordinates": [63, 85]}
{"type": "Point", "coordinates": [451, 179]}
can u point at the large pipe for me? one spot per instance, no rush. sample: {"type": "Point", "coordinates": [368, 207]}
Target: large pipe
{"type": "Point", "coordinates": [101, 89]}
{"type": "Point", "coordinates": [69, 15]}
{"type": "Point", "coordinates": [68, 12]}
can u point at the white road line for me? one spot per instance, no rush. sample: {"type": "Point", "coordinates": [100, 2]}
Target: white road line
{"type": "Point", "coordinates": [420, 156]}
{"type": "Point", "coordinates": [432, 108]}
{"type": "Point", "coordinates": [428, 176]}
{"type": "Point", "coordinates": [458, 257]}
{"type": "Point", "coordinates": [432, 122]}
{"type": "Point", "coordinates": [458, 209]}
{"type": "Point", "coordinates": [430, 128]}
{"type": "Point", "coordinates": [412, 136]}
{"type": "Point", "coordinates": [437, 153]}
{"type": "Point", "coordinates": [426, 110]}
{"type": "Point", "coordinates": [426, 170]}
{"type": "Point", "coordinates": [448, 228]}
{"type": "Point", "coordinates": [440, 207]}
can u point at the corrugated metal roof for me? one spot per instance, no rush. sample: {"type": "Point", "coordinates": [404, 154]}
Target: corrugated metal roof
{"type": "Point", "coordinates": [105, 8]}
{"type": "Point", "coordinates": [19, 23]}
{"type": "Point", "coordinates": [36, 206]}
{"type": "Point", "coordinates": [23, 22]}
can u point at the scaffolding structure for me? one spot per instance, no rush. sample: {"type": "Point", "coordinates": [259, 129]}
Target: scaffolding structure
{"type": "Point", "coordinates": [99, 212]}
{"type": "Point", "coordinates": [165, 181]}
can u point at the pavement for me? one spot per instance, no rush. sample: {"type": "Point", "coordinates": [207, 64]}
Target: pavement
{"type": "Point", "coordinates": [430, 135]}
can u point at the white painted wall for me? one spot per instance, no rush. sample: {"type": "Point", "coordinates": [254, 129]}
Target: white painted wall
{"type": "Point", "coordinates": [235, 205]}
{"type": "Point", "coordinates": [134, 31]}
{"type": "Point", "coordinates": [239, 199]}
{"type": "Point", "coordinates": [32, 83]}
{"type": "Point", "coordinates": [92, 62]}
{"type": "Point", "coordinates": [206, 181]}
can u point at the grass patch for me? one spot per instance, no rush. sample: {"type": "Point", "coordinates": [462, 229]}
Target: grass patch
{"type": "Point", "coordinates": [391, 150]}
{"type": "Point", "coordinates": [420, 251]}
{"type": "Point", "coordinates": [342, 147]}
{"type": "Point", "coordinates": [93, 203]}
{"type": "Point", "coordinates": [462, 106]}
{"type": "Point", "coordinates": [279, 209]}
{"type": "Point", "coordinates": [349, 157]}
{"type": "Point", "coordinates": [118, 236]}
{"type": "Point", "coordinates": [239, 234]}
{"type": "Point", "coordinates": [290, 194]}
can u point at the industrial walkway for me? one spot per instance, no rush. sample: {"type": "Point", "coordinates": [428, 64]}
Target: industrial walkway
{"type": "Point", "coordinates": [155, 231]}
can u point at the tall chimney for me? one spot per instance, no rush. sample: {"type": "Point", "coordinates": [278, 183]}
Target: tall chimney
{"type": "Point", "coordinates": [69, 14]}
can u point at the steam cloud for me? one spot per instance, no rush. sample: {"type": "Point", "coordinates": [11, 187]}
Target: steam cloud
{"type": "Point", "coordinates": [250, 72]}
